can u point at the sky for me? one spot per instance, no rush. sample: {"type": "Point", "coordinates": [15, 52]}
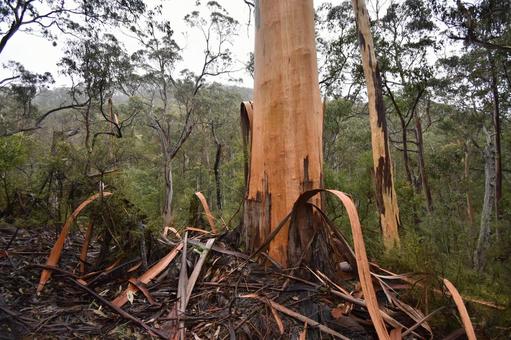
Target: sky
{"type": "Point", "coordinates": [39, 55]}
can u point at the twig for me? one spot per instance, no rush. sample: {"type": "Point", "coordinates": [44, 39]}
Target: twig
{"type": "Point", "coordinates": [297, 316]}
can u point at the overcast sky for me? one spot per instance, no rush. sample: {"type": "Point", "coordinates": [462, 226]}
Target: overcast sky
{"type": "Point", "coordinates": [38, 54]}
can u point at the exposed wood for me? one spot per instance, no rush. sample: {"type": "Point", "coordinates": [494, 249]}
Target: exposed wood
{"type": "Point", "coordinates": [286, 129]}
{"type": "Point", "coordinates": [386, 197]}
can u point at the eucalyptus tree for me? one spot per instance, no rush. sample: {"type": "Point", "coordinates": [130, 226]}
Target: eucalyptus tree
{"type": "Point", "coordinates": [55, 21]}
{"type": "Point", "coordinates": [337, 43]}
{"type": "Point", "coordinates": [173, 95]}
{"type": "Point", "coordinates": [385, 192]}
{"type": "Point", "coordinates": [468, 88]}
{"type": "Point", "coordinates": [407, 45]}
{"type": "Point", "coordinates": [98, 68]}
{"type": "Point", "coordinates": [50, 17]}
{"type": "Point", "coordinates": [483, 82]}
{"type": "Point", "coordinates": [485, 25]}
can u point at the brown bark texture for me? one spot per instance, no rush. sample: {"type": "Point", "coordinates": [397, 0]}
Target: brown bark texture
{"type": "Point", "coordinates": [285, 142]}
{"type": "Point", "coordinates": [384, 183]}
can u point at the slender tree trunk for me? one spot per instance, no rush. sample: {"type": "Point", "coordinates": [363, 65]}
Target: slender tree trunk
{"type": "Point", "coordinates": [466, 177]}
{"type": "Point", "coordinates": [88, 134]}
{"type": "Point", "coordinates": [7, 196]}
{"type": "Point", "coordinates": [496, 126]}
{"type": "Point", "coordinates": [143, 248]}
{"type": "Point", "coordinates": [169, 192]}
{"type": "Point", "coordinates": [422, 164]}
{"type": "Point", "coordinates": [406, 157]}
{"type": "Point", "coordinates": [286, 130]}
{"type": "Point", "coordinates": [384, 182]}
{"type": "Point", "coordinates": [483, 241]}
{"type": "Point", "coordinates": [218, 185]}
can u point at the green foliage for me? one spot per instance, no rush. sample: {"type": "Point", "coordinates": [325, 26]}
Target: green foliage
{"type": "Point", "coordinates": [14, 151]}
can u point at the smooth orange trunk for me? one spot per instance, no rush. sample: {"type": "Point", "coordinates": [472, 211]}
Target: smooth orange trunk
{"type": "Point", "coordinates": [286, 125]}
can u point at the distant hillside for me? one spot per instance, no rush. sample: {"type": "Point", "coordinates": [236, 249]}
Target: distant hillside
{"type": "Point", "coordinates": [59, 96]}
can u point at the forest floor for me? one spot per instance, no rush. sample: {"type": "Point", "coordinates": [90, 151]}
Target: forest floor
{"type": "Point", "coordinates": [233, 297]}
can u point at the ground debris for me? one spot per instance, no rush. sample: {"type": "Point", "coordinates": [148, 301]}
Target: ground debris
{"type": "Point", "coordinates": [214, 292]}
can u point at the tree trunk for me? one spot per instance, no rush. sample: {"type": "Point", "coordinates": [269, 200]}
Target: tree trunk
{"type": "Point", "coordinates": [218, 185]}
{"type": "Point", "coordinates": [496, 126]}
{"type": "Point", "coordinates": [406, 158]}
{"type": "Point", "coordinates": [216, 169]}
{"type": "Point", "coordinates": [286, 128]}
{"type": "Point", "coordinates": [422, 163]}
{"type": "Point", "coordinates": [470, 209]}
{"type": "Point", "coordinates": [384, 182]}
{"type": "Point", "coordinates": [483, 241]}
{"type": "Point", "coordinates": [169, 193]}
{"type": "Point", "coordinates": [8, 207]}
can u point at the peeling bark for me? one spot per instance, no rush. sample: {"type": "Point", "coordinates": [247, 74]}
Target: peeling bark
{"type": "Point", "coordinates": [384, 183]}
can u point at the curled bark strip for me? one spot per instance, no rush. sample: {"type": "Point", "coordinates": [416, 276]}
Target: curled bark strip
{"type": "Point", "coordinates": [85, 246]}
{"type": "Point", "coordinates": [56, 251]}
{"type": "Point", "coordinates": [467, 324]}
{"type": "Point", "coordinates": [207, 211]}
{"type": "Point", "coordinates": [364, 273]}
{"type": "Point", "coordinates": [120, 300]}
{"type": "Point", "coordinates": [246, 113]}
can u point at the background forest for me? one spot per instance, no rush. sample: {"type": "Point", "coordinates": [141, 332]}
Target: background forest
{"type": "Point", "coordinates": [133, 123]}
